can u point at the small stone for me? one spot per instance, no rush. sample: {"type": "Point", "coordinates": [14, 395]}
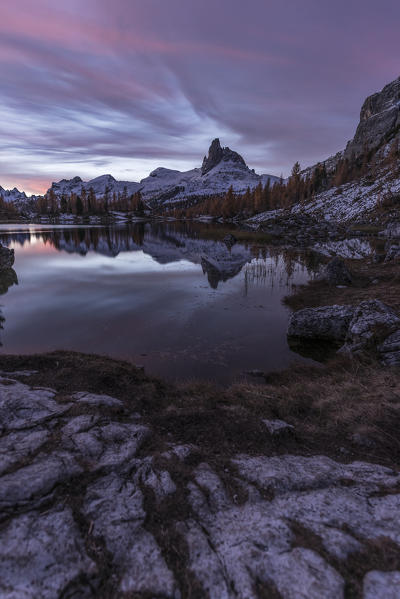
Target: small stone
{"type": "Point", "coordinates": [277, 427]}
{"type": "Point", "coordinates": [93, 399]}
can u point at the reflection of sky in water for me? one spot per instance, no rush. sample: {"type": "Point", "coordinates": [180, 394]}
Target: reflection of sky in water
{"type": "Point", "coordinates": [165, 316]}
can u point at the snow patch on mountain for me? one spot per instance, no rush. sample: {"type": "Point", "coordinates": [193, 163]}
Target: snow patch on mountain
{"type": "Point", "coordinates": [12, 195]}
{"type": "Point", "coordinates": [352, 201]}
{"type": "Point", "coordinates": [99, 186]}
{"type": "Point", "coordinates": [225, 168]}
{"type": "Point", "coordinates": [345, 248]}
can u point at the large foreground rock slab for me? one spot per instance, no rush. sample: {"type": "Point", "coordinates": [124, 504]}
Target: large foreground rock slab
{"type": "Point", "coordinates": [43, 555]}
{"type": "Point", "coordinates": [95, 504]}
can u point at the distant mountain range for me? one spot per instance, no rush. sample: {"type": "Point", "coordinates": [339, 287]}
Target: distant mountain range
{"type": "Point", "coordinates": [221, 169]}
{"type": "Point", "coordinates": [379, 126]}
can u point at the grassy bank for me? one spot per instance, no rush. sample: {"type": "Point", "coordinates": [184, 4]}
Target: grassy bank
{"type": "Point", "coordinates": [346, 409]}
{"type": "Point", "coordinates": [370, 281]}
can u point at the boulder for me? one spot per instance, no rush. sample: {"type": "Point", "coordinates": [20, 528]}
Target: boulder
{"type": "Point", "coordinates": [327, 323]}
{"type": "Point", "coordinates": [372, 321]}
{"type": "Point", "coordinates": [389, 349]}
{"type": "Point", "coordinates": [8, 278]}
{"type": "Point", "coordinates": [393, 253]}
{"type": "Point", "coordinates": [372, 325]}
{"type": "Point", "coordinates": [6, 258]}
{"type": "Point", "coordinates": [337, 273]}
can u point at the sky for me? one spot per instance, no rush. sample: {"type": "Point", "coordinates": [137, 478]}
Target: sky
{"type": "Point", "coordinates": [124, 86]}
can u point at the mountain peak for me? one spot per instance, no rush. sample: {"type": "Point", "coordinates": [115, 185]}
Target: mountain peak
{"type": "Point", "coordinates": [216, 154]}
{"type": "Point", "coordinates": [379, 120]}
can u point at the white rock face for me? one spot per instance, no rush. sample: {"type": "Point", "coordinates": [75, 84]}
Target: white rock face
{"type": "Point", "coordinates": [41, 555]}
{"type": "Point", "coordinates": [372, 319]}
{"type": "Point", "coordinates": [79, 489]}
{"type": "Point", "coordinates": [12, 195]}
{"type": "Point", "coordinates": [382, 584]}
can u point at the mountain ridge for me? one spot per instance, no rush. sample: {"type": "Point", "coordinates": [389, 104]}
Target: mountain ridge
{"type": "Point", "coordinates": [221, 169]}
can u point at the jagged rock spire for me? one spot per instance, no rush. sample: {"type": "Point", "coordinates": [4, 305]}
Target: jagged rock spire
{"type": "Point", "coordinates": [216, 153]}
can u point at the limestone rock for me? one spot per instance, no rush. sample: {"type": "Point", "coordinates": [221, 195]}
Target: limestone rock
{"type": "Point", "coordinates": [393, 253]}
{"type": "Point", "coordinates": [43, 555]}
{"type": "Point", "coordinates": [382, 584]}
{"type": "Point", "coordinates": [107, 445]}
{"type": "Point", "coordinates": [216, 154]}
{"type": "Point", "coordinates": [278, 427]}
{"type": "Point", "coordinates": [33, 482]}
{"type": "Point", "coordinates": [16, 447]}
{"type": "Point", "coordinates": [389, 350]}
{"type": "Point", "coordinates": [230, 240]}
{"type": "Point", "coordinates": [85, 511]}
{"type": "Point", "coordinates": [379, 120]}
{"type": "Point", "coordinates": [115, 506]}
{"type": "Point", "coordinates": [327, 323]}
{"type": "Point", "coordinates": [6, 258]}
{"type": "Point", "coordinates": [372, 321]}
{"type": "Point", "coordinates": [21, 406]}
{"type": "Point", "coordinates": [98, 400]}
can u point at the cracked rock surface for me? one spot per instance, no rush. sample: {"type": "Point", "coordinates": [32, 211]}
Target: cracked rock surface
{"type": "Point", "coordinates": [91, 507]}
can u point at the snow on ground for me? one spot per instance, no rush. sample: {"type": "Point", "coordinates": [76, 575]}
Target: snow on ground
{"type": "Point", "coordinates": [163, 185]}
{"type": "Point", "coordinates": [346, 248]}
{"type": "Point", "coordinates": [352, 201]}
{"type": "Point", "coordinates": [264, 217]}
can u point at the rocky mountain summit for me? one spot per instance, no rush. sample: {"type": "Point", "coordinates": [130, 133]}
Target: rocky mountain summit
{"type": "Point", "coordinates": [13, 195]}
{"type": "Point", "coordinates": [221, 169]}
{"type": "Point", "coordinates": [379, 120]}
{"type": "Point", "coordinates": [101, 498]}
{"type": "Point", "coordinates": [216, 154]}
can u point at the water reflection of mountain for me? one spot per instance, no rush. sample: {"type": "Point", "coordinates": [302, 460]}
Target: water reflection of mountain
{"type": "Point", "coordinates": [164, 242]}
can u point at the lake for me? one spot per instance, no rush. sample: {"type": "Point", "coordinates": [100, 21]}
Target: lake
{"type": "Point", "coordinates": [172, 297]}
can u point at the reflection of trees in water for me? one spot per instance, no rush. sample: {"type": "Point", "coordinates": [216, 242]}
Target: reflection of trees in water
{"type": "Point", "coordinates": [109, 240]}
{"type": "Point", "coordinates": [271, 265]}
{"type": "Point", "coordinates": [274, 265]}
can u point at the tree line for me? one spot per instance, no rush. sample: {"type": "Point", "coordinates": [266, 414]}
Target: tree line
{"type": "Point", "coordinates": [300, 187]}
{"type": "Point", "coordinates": [87, 203]}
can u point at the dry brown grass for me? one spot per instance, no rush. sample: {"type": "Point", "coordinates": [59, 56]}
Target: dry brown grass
{"type": "Point", "coordinates": [327, 405]}
{"type": "Point", "coordinates": [319, 293]}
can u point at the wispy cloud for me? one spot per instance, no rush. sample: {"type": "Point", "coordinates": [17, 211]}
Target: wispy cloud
{"type": "Point", "coordinates": [123, 86]}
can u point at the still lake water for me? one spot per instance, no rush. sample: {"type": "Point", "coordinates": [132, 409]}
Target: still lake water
{"type": "Point", "coordinates": [166, 296]}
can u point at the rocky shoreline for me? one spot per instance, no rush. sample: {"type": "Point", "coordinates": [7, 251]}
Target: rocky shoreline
{"type": "Point", "coordinates": [157, 491]}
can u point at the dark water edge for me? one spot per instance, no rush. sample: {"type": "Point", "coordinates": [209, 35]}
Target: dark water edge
{"type": "Point", "coordinates": [172, 297]}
